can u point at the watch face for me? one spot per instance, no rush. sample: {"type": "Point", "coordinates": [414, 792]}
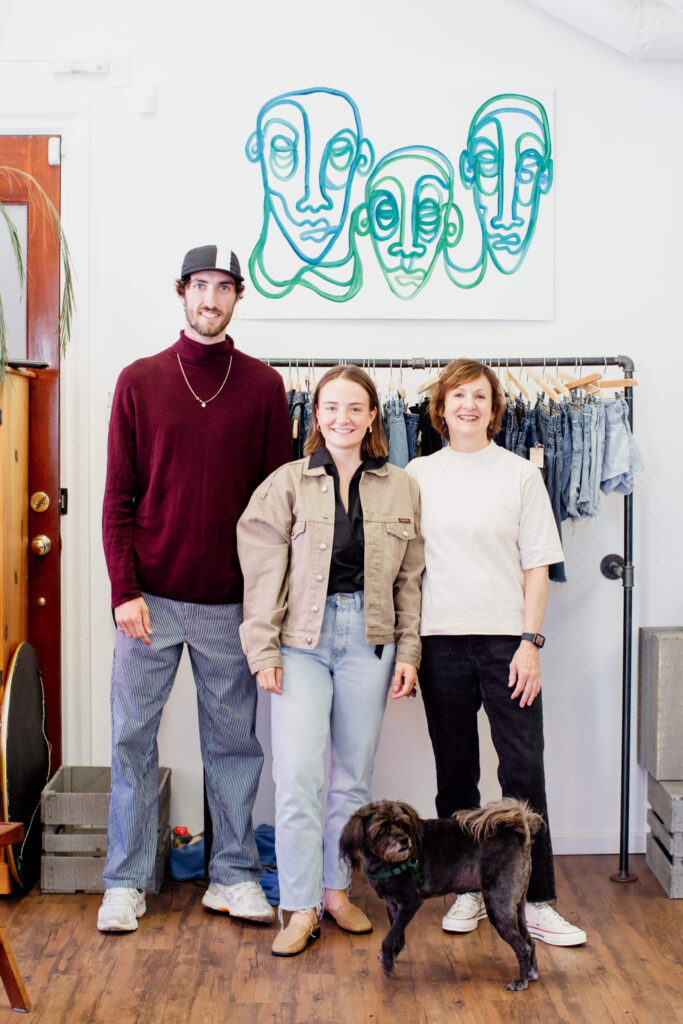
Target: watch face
{"type": "Point", "coordinates": [540, 640]}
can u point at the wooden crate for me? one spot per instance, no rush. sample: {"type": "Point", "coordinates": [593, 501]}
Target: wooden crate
{"type": "Point", "coordinates": [75, 812]}
{"type": "Point", "coordinates": [660, 702]}
{"type": "Point", "coordinates": [664, 844]}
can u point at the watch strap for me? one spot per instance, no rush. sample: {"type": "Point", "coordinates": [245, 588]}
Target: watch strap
{"type": "Point", "coordinates": [534, 638]}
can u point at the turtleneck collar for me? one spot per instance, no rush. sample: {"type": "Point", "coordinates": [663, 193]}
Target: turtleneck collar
{"type": "Point", "coordinates": [195, 353]}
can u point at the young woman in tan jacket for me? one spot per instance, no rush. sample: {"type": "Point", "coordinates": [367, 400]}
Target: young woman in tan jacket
{"type": "Point", "coordinates": [332, 559]}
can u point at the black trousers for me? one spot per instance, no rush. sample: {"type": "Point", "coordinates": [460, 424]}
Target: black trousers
{"type": "Point", "coordinates": [457, 675]}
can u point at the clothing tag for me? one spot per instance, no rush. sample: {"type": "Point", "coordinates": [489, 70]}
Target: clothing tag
{"type": "Point", "coordinates": [403, 520]}
{"type": "Point", "coordinates": [536, 456]}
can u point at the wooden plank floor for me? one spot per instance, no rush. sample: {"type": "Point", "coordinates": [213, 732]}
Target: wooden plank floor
{"type": "Point", "coordinates": [186, 964]}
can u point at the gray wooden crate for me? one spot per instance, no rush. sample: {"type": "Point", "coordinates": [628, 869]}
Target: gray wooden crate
{"type": "Point", "coordinates": [671, 841]}
{"type": "Point", "coordinates": [667, 870]}
{"type": "Point", "coordinates": [75, 812]}
{"type": "Point", "coordinates": [660, 702]}
{"type": "Point", "coordinates": [666, 800]}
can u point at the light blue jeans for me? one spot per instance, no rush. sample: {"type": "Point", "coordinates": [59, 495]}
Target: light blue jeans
{"type": "Point", "coordinates": [339, 690]}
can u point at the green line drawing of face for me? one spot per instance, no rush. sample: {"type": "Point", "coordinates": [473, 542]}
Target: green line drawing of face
{"type": "Point", "coordinates": [309, 145]}
{"type": "Point", "coordinates": [508, 166]}
{"type": "Point", "coordinates": [410, 216]}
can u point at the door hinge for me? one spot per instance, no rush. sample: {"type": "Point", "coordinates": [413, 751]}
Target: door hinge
{"type": "Point", "coordinates": [54, 150]}
{"type": "Point", "coordinates": [63, 501]}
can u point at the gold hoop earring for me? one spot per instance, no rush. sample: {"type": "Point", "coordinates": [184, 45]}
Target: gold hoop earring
{"type": "Point", "coordinates": [370, 428]}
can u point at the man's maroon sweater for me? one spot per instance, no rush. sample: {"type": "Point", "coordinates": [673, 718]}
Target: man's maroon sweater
{"type": "Point", "coordinates": [179, 476]}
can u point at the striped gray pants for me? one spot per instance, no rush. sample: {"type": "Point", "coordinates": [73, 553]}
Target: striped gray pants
{"type": "Point", "coordinates": [142, 678]}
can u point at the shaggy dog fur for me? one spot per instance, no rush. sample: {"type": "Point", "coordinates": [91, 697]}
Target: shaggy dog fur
{"type": "Point", "coordinates": [407, 859]}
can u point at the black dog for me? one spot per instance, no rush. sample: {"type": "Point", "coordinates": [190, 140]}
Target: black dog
{"type": "Point", "coordinates": [406, 860]}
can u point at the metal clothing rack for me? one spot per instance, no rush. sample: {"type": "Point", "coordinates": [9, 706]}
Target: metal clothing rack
{"type": "Point", "coordinates": [612, 566]}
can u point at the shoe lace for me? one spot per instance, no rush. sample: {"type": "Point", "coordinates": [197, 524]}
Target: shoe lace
{"type": "Point", "coordinates": [467, 902]}
{"type": "Point", "coordinates": [120, 897]}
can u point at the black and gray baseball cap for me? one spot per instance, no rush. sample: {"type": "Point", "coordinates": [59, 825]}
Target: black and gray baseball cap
{"type": "Point", "coordinates": [211, 257]}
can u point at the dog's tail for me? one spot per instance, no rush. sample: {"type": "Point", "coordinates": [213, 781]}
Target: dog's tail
{"type": "Point", "coordinates": [507, 813]}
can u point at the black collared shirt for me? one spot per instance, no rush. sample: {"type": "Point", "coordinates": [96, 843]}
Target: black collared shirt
{"type": "Point", "coordinates": [348, 547]}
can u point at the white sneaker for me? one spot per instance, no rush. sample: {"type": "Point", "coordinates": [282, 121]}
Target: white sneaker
{"type": "Point", "coordinates": [544, 923]}
{"type": "Point", "coordinates": [245, 899]}
{"type": "Point", "coordinates": [465, 914]}
{"type": "Point", "coordinates": [120, 910]}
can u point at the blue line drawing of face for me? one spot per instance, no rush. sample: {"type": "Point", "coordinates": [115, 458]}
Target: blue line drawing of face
{"type": "Point", "coordinates": [309, 145]}
{"type": "Point", "coordinates": [410, 215]}
{"type": "Point", "coordinates": [508, 166]}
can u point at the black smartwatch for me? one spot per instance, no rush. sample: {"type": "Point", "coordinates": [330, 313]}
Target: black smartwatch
{"type": "Point", "coordinates": [534, 638]}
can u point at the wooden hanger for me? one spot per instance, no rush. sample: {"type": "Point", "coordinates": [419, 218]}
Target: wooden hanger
{"type": "Point", "coordinates": [522, 390]}
{"type": "Point", "coordinates": [559, 386]}
{"type": "Point", "coordinates": [539, 382]}
{"type": "Point", "coordinates": [626, 382]}
{"type": "Point", "coordinates": [572, 383]}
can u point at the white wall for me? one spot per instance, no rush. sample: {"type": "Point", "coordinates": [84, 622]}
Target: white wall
{"type": "Point", "coordinates": [140, 190]}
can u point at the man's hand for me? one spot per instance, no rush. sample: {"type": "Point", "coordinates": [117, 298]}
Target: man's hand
{"type": "Point", "coordinates": [132, 618]}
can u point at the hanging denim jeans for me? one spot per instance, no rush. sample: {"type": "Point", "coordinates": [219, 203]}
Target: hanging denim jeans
{"type": "Point", "coordinates": [296, 414]}
{"type": "Point", "coordinates": [398, 440]}
{"type": "Point", "coordinates": [566, 442]}
{"type": "Point", "coordinates": [590, 437]}
{"type": "Point", "coordinates": [412, 422]}
{"type": "Point", "coordinates": [549, 430]}
{"type": "Point", "coordinates": [622, 461]}
{"type": "Point", "coordinates": [575, 413]}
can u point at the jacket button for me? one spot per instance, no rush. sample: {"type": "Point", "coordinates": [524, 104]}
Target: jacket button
{"type": "Point", "coordinates": [319, 578]}
{"type": "Point", "coordinates": [323, 547]}
{"type": "Point", "coordinates": [309, 640]}
{"type": "Point", "coordinates": [405, 533]}
{"type": "Point", "coordinates": [325, 515]}
{"type": "Point", "coordinates": [314, 608]}
{"type": "Point", "coordinates": [324, 489]}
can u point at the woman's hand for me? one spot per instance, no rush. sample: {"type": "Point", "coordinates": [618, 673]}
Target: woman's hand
{"type": "Point", "coordinates": [403, 683]}
{"type": "Point", "coordinates": [270, 679]}
{"type": "Point", "coordinates": [525, 674]}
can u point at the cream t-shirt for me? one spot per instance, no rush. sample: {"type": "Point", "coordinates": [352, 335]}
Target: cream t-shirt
{"type": "Point", "coordinates": [486, 517]}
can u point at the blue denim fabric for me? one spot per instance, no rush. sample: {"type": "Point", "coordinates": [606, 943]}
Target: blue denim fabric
{"type": "Point", "coordinates": [622, 460]}
{"type": "Point", "coordinates": [575, 413]}
{"type": "Point", "coordinates": [339, 690]}
{"type": "Point", "coordinates": [308, 414]}
{"type": "Point", "coordinates": [412, 422]}
{"type": "Point", "coordinates": [590, 438]}
{"type": "Point", "coordinates": [142, 677]}
{"type": "Point", "coordinates": [550, 430]}
{"type": "Point", "coordinates": [597, 458]}
{"type": "Point", "coordinates": [528, 430]}
{"type": "Point", "coordinates": [398, 439]}
{"type": "Point", "coordinates": [566, 442]}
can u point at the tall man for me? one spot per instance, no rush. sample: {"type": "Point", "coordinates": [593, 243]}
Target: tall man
{"type": "Point", "coordinates": [193, 430]}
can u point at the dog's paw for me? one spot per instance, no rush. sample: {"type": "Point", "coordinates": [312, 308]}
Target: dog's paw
{"type": "Point", "coordinates": [517, 986]}
{"type": "Point", "coordinates": [533, 974]}
{"type": "Point", "coordinates": [387, 964]}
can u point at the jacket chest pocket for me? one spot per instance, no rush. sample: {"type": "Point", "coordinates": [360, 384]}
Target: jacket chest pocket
{"type": "Point", "coordinates": [396, 537]}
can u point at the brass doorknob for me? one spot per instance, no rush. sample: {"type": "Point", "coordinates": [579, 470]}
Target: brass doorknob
{"type": "Point", "coordinates": [41, 545]}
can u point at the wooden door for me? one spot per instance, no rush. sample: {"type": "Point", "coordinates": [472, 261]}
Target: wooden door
{"type": "Point", "coordinates": [29, 153]}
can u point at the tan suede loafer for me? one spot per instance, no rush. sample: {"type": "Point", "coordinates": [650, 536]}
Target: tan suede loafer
{"type": "Point", "coordinates": [294, 938]}
{"type": "Point", "coordinates": [350, 919]}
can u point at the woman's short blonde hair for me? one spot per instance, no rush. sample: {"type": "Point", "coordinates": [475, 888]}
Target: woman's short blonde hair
{"type": "Point", "coordinates": [462, 371]}
{"type": "Point", "coordinates": [374, 444]}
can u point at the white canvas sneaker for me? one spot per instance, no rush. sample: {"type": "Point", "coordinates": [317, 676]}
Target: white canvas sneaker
{"type": "Point", "coordinates": [465, 914]}
{"type": "Point", "coordinates": [120, 910]}
{"type": "Point", "coordinates": [544, 923]}
{"type": "Point", "coordinates": [245, 899]}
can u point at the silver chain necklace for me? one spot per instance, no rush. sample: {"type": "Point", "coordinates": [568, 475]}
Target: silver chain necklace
{"type": "Point", "coordinates": [194, 393]}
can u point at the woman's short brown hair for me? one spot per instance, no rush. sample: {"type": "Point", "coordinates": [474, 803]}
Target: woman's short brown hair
{"type": "Point", "coordinates": [374, 445]}
{"type": "Point", "coordinates": [462, 371]}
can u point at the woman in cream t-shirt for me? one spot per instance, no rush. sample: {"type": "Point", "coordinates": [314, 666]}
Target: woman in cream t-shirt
{"type": "Point", "coordinates": [489, 536]}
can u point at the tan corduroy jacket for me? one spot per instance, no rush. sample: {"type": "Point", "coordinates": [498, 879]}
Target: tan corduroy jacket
{"type": "Point", "coordinates": [284, 542]}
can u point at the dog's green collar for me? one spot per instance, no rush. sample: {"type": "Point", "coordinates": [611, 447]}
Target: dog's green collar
{"type": "Point", "coordinates": [398, 870]}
